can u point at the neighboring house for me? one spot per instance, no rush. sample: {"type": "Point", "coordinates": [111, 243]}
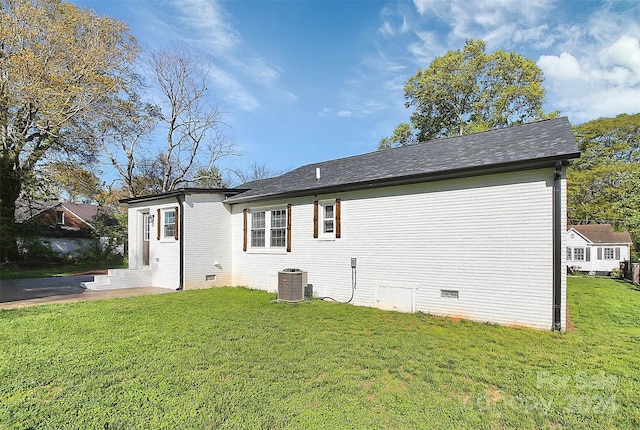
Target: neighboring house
{"type": "Point", "coordinates": [469, 227]}
{"type": "Point", "coordinates": [67, 228]}
{"type": "Point", "coordinates": [596, 248]}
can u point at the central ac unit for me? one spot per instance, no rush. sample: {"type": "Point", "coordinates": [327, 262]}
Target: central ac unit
{"type": "Point", "coordinates": [291, 285]}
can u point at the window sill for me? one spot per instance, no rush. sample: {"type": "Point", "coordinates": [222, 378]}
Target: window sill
{"type": "Point", "coordinates": [280, 251]}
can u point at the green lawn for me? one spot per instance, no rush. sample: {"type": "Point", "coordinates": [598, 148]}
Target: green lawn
{"type": "Point", "coordinates": [233, 358]}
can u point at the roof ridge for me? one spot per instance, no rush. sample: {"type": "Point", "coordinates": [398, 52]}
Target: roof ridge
{"type": "Point", "coordinates": [436, 140]}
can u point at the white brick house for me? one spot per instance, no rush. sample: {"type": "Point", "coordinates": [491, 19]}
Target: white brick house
{"type": "Point", "coordinates": [470, 227]}
{"type": "Point", "coordinates": [596, 248]}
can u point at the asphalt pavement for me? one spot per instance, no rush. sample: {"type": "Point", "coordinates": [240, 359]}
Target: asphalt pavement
{"type": "Point", "coordinates": [16, 293]}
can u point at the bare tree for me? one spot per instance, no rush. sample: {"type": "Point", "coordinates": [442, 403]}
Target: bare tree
{"type": "Point", "coordinates": [190, 119]}
{"type": "Point", "coordinates": [124, 138]}
{"type": "Point", "coordinates": [256, 171]}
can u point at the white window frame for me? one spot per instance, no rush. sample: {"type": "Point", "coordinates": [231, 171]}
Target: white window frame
{"type": "Point", "coordinates": [579, 254]}
{"type": "Point", "coordinates": [146, 226]}
{"type": "Point", "coordinates": [274, 228]}
{"type": "Point", "coordinates": [608, 257]}
{"type": "Point", "coordinates": [278, 228]}
{"type": "Point", "coordinates": [61, 220]}
{"type": "Point", "coordinates": [164, 213]}
{"type": "Point", "coordinates": [258, 225]}
{"type": "Point", "coordinates": [326, 219]}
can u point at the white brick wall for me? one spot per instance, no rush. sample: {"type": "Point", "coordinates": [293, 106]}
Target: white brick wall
{"type": "Point", "coordinates": [164, 253]}
{"type": "Point", "coordinates": [207, 241]}
{"type": "Point", "coordinates": [489, 238]}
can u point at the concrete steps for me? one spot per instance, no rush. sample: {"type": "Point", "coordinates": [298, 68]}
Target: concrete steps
{"type": "Point", "coordinates": [116, 279]}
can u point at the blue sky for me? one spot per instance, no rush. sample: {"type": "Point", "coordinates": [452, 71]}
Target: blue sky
{"type": "Point", "coordinates": [307, 81]}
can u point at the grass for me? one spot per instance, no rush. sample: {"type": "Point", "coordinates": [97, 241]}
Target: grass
{"type": "Point", "coordinates": [232, 358]}
{"type": "Point", "coordinates": [60, 269]}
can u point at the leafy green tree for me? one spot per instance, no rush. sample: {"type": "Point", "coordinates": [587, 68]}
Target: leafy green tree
{"type": "Point", "coordinates": [79, 184]}
{"type": "Point", "coordinates": [402, 136]}
{"type": "Point", "coordinates": [603, 186]}
{"type": "Point", "coordinates": [468, 90]}
{"type": "Point", "coordinates": [58, 62]}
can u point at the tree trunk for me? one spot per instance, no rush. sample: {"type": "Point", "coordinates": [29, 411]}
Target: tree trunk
{"type": "Point", "coordinates": [9, 192]}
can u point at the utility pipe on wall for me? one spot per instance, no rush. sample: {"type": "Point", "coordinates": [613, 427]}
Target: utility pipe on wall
{"type": "Point", "coordinates": [557, 247]}
{"type": "Point", "coordinates": [180, 199]}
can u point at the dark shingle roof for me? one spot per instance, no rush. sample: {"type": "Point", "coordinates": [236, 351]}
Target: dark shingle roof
{"type": "Point", "coordinates": [602, 233]}
{"type": "Point", "coordinates": [27, 209]}
{"type": "Point", "coordinates": [528, 145]}
{"type": "Point", "coordinates": [182, 192]}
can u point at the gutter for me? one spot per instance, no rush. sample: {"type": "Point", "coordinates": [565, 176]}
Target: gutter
{"type": "Point", "coordinates": [557, 247]}
{"type": "Point", "coordinates": [181, 191]}
{"type": "Point", "coordinates": [180, 199]}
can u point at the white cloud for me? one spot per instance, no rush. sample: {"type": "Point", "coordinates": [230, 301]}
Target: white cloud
{"type": "Point", "coordinates": [392, 67]}
{"type": "Point", "coordinates": [624, 57]}
{"type": "Point", "coordinates": [262, 72]}
{"type": "Point", "coordinates": [207, 20]}
{"type": "Point", "coordinates": [233, 90]}
{"type": "Point", "coordinates": [562, 68]}
{"type": "Point", "coordinates": [601, 102]}
{"type": "Point", "coordinates": [590, 58]}
{"type": "Point", "coordinates": [355, 110]}
{"type": "Point", "coordinates": [427, 48]}
{"type": "Point", "coordinates": [241, 75]}
{"type": "Point", "coordinates": [498, 22]}
{"type": "Point", "coordinates": [591, 86]}
{"type": "Point", "coordinates": [396, 84]}
{"type": "Point", "coordinates": [394, 22]}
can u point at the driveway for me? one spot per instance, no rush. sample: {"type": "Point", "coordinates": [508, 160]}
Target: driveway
{"type": "Point", "coordinates": [16, 293]}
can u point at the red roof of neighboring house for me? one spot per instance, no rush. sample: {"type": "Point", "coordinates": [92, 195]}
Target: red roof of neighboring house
{"type": "Point", "coordinates": [26, 210]}
{"type": "Point", "coordinates": [87, 213]}
{"type": "Point", "coordinates": [602, 233]}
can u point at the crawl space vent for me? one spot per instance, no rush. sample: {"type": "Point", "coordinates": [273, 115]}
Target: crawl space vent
{"type": "Point", "coordinates": [449, 294]}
